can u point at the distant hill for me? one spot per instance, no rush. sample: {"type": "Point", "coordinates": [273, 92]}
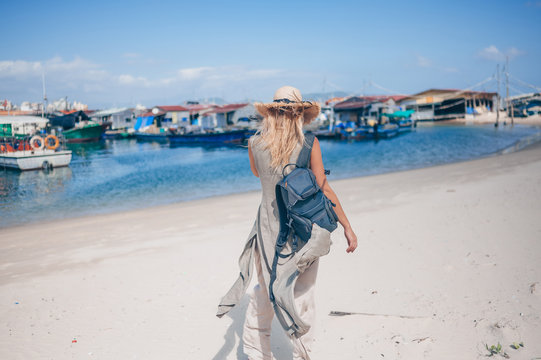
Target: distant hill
{"type": "Point", "coordinates": [209, 100]}
{"type": "Point", "coordinates": [322, 97]}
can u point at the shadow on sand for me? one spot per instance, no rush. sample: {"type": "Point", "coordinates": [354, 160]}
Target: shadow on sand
{"type": "Point", "coordinates": [280, 343]}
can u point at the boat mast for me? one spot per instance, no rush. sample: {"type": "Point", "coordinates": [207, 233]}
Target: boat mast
{"type": "Point", "coordinates": [44, 95]}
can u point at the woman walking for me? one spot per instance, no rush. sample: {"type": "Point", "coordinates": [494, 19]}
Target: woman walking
{"type": "Point", "coordinates": [279, 143]}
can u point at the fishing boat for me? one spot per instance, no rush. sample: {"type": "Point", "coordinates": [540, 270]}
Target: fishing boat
{"type": "Point", "coordinates": [34, 159]}
{"type": "Point", "coordinates": [405, 125]}
{"type": "Point", "coordinates": [402, 118]}
{"type": "Point", "coordinates": [119, 134]}
{"type": "Point", "coordinates": [78, 127]}
{"type": "Point", "coordinates": [20, 149]}
{"type": "Point", "coordinates": [326, 133]}
{"type": "Point", "coordinates": [85, 132]}
{"type": "Point", "coordinates": [146, 136]}
{"type": "Point", "coordinates": [387, 131]}
{"type": "Point", "coordinates": [231, 136]}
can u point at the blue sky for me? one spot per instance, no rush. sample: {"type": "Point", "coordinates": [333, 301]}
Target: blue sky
{"type": "Point", "coordinates": [117, 53]}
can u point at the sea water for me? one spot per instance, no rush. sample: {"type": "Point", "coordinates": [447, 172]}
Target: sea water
{"type": "Point", "coordinates": [117, 175]}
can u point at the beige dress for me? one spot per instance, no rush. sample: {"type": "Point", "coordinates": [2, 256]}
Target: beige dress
{"type": "Point", "coordinates": [259, 250]}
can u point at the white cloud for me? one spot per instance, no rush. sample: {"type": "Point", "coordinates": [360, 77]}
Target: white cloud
{"type": "Point", "coordinates": [193, 73]}
{"type": "Point", "coordinates": [494, 54]}
{"type": "Point", "coordinates": [423, 62]}
{"type": "Point", "coordinates": [56, 67]}
{"type": "Point", "coordinates": [514, 52]}
{"type": "Point", "coordinates": [83, 79]}
{"type": "Point", "coordinates": [127, 79]}
{"type": "Point", "coordinates": [491, 53]}
{"type": "Point", "coordinates": [18, 68]}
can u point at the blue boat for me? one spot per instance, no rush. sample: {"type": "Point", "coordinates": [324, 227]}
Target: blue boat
{"type": "Point", "coordinates": [405, 125]}
{"type": "Point", "coordinates": [142, 136]}
{"type": "Point", "coordinates": [228, 137]}
{"type": "Point", "coordinates": [387, 131]}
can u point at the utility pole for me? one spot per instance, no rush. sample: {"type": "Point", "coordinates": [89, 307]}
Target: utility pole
{"type": "Point", "coordinates": [507, 85]}
{"type": "Point", "coordinates": [498, 96]}
{"type": "Point", "coordinates": [508, 102]}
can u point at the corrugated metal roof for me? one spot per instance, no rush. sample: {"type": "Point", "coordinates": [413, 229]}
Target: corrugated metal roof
{"type": "Point", "coordinates": [23, 120]}
{"type": "Point", "coordinates": [449, 93]}
{"type": "Point", "coordinates": [107, 112]}
{"type": "Point", "coordinates": [199, 107]}
{"type": "Point", "coordinates": [168, 108]}
{"type": "Point", "coordinates": [358, 102]}
{"type": "Point", "coordinates": [226, 108]}
{"type": "Point", "coordinates": [150, 113]}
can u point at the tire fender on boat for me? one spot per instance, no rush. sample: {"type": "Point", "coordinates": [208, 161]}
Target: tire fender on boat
{"type": "Point", "coordinates": [40, 140]}
{"type": "Point", "coordinates": [54, 145]}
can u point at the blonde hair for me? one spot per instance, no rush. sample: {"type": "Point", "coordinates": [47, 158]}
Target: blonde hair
{"type": "Point", "coordinates": [280, 134]}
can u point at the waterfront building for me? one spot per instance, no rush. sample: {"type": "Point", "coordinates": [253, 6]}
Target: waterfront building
{"type": "Point", "coordinates": [119, 118]}
{"type": "Point", "coordinates": [6, 105]}
{"type": "Point", "coordinates": [362, 109]}
{"type": "Point", "coordinates": [163, 115]}
{"type": "Point", "coordinates": [197, 111]}
{"type": "Point", "coordinates": [13, 126]}
{"type": "Point", "coordinates": [228, 115]}
{"type": "Point", "coordinates": [444, 104]}
{"type": "Point", "coordinates": [79, 106]}
{"type": "Point", "coordinates": [173, 114]}
{"type": "Point", "coordinates": [524, 105]}
{"type": "Point", "coordinates": [31, 106]}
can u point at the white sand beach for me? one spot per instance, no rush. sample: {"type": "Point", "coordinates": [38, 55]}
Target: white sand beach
{"type": "Point", "coordinates": [449, 260]}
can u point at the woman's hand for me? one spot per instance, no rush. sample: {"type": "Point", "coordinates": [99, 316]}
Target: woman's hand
{"type": "Point", "coordinates": [351, 238]}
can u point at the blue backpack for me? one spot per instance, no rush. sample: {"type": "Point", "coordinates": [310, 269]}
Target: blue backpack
{"type": "Point", "coordinates": [301, 203]}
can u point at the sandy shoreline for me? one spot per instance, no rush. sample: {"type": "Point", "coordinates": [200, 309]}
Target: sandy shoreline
{"type": "Point", "coordinates": [453, 248]}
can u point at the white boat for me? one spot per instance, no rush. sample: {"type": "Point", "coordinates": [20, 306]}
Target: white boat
{"type": "Point", "coordinates": [35, 159]}
{"type": "Point", "coordinates": [24, 156]}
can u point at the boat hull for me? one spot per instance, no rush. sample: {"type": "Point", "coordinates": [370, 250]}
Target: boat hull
{"type": "Point", "coordinates": [89, 133]}
{"type": "Point", "coordinates": [32, 160]}
{"type": "Point", "coordinates": [151, 137]}
{"type": "Point", "coordinates": [228, 137]}
{"type": "Point", "coordinates": [387, 134]}
{"type": "Point", "coordinates": [117, 135]}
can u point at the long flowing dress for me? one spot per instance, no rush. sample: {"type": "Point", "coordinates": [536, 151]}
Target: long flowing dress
{"type": "Point", "coordinates": [259, 250]}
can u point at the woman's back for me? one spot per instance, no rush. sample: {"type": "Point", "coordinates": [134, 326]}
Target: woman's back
{"type": "Point", "coordinates": [268, 175]}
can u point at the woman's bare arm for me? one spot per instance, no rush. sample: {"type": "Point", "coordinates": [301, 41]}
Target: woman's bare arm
{"type": "Point", "coordinates": [316, 163]}
{"type": "Point", "coordinates": [252, 162]}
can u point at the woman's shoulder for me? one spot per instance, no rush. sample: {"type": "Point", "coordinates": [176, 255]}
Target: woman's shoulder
{"type": "Point", "coordinates": [255, 141]}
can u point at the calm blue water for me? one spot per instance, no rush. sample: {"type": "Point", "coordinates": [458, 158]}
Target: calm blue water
{"type": "Point", "coordinates": [125, 174]}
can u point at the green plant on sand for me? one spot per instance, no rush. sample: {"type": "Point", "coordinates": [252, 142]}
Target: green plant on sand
{"type": "Point", "coordinates": [496, 349]}
{"type": "Point", "coordinates": [517, 346]}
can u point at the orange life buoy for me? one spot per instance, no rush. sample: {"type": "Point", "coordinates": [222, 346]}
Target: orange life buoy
{"type": "Point", "coordinates": [3, 148]}
{"type": "Point", "coordinates": [55, 144]}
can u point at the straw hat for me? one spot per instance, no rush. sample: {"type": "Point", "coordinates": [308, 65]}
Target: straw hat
{"type": "Point", "coordinates": [288, 99]}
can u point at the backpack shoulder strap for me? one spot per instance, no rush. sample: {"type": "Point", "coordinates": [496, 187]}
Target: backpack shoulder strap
{"type": "Point", "coordinates": [304, 156]}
